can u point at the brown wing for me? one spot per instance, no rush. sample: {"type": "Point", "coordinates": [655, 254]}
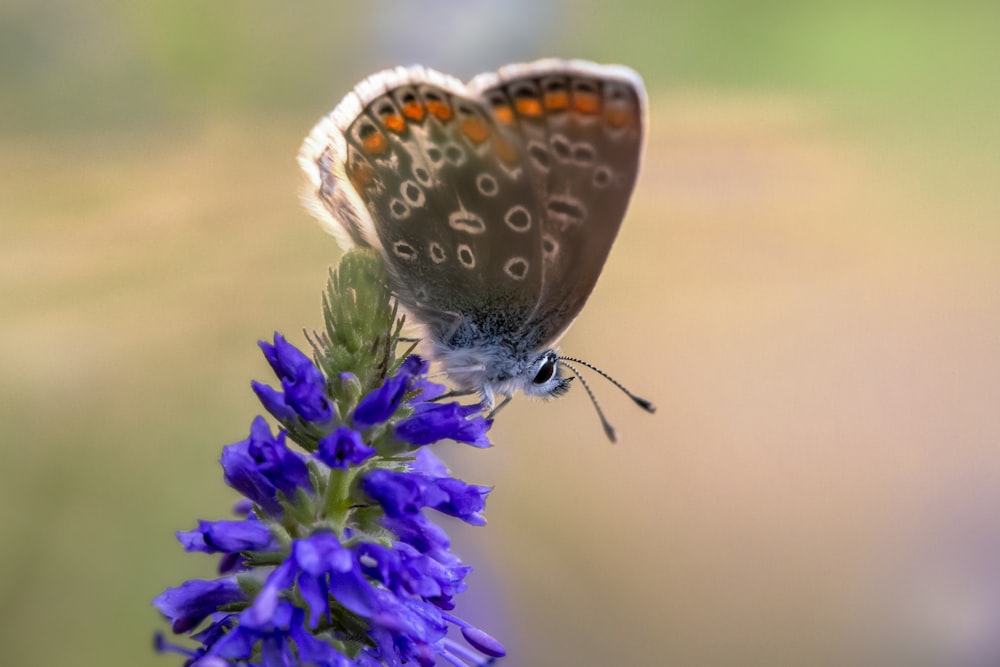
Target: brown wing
{"type": "Point", "coordinates": [582, 128]}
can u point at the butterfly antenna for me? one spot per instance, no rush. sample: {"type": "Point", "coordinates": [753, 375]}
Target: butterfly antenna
{"type": "Point", "coordinates": [638, 400]}
{"type": "Point", "coordinates": [609, 430]}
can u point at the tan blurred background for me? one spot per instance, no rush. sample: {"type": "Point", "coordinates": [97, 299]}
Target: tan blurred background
{"type": "Point", "coordinates": [806, 285]}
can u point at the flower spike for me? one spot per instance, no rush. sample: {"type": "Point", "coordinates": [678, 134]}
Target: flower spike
{"type": "Point", "coordinates": [333, 560]}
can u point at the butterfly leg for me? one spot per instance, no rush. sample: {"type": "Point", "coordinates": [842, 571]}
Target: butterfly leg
{"type": "Point", "coordinates": [497, 409]}
{"type": "Point", "coordinates": [452, 393]}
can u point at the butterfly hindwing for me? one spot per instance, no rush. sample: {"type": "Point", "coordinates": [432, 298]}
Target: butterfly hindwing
{"type": "Point", "coordinates": [582, 128]}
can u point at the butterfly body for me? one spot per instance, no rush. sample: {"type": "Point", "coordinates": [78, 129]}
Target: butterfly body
{"type": "Point", "coordinates": [493, 204]}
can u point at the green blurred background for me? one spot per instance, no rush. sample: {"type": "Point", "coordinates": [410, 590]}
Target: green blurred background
{"type": "Point", "coordinates": [806, 285]}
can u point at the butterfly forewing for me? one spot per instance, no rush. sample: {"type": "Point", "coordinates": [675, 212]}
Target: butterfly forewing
{"type": "Point", "coordinates": [450, 205]}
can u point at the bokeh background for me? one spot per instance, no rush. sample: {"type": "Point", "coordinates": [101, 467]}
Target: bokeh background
{"type": "Point", "coordinates": [806, 285]}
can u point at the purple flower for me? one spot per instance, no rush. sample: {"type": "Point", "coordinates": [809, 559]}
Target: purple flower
{"type": "Point", "coordinates": [479, 639]}
{"type": "Point", "coordinates": [426, 390]}
{"type": "Point", "coordinates": [262, 465]}
{"type": "Point", "coordinates": [403, 569]}
{"type": "Point", "coordinates": [426, 462]}
{"type": "Point", "coordinates": [403, 494]}
{"type": "Point", "coordinates": [379, 405]}
{"type": "Point", "coordinates": [229, 537]}
{"type": "Point", "coordinates": [343, 448]}
{"type": "Point", "coordinates": [322, 568]}
{"type": "Point", "coordinates": [282, 641]}
{"type": "Point", "coordinates": [433, 422]}
{"type": "Point", "coordinates": [303, 384]}
{"type": "Point", "coordinates": [413, 623]}
{"type": "Point", "coordinates": [273, 401]}
{"type": "Point", "coordinates": [374, 580]}
{"type": "Point", "coordinates": [423, 535]}
{"type": "Point", "coordinates": [287, 360]}
{"type": "Point", "coordinates": [399, 494]}
{"type": "Point", "coordinates": [456, 498]}
{"type": "Point", "coordinates": [193, 601]}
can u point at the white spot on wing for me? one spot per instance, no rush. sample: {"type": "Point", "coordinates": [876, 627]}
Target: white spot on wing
{"type": "Point", "coordinates": [561, 147]}
{"type": "Point", "coordinates": [583, 153]}
{"type": "Point", "coordinates": [539, 155]}
{"type": "Point", "coordinates": [550, 247]}
{"type": "Point", "coordinates": [487, 185]}
{"type": "Point", "coordinates": [565, 209]}
{"type": "Point", "coordinates": [466, 221]}
{"type": "Point", "coordinates": [412, 193]}
{"type": "Point", "coordinates": [602, 176]}
{"type": "Point", "coordinates": [423, 176]}
{"type": "Point", "coordinates": [435, 155]}
{"type": "Point", "coordinates": [465, 256]}
{"type": "Point", "coordinates": [516, 268]}
{"type": "Point", "coordinates": [518, 218]}
{"type": "Point", "coordinates": [454, 154]}
{"type": "Point", "coordinates": [404, 251]}
{"type": "Point", "coordinates": [398, 209]}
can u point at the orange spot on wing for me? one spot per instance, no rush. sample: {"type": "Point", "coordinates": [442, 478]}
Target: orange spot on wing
{"type": "Point", "coordinates": [414, 111]}
{"type": "Point", "coordinates": [394, 123]}
{"type": "Point", "coordinates": [585, 102]}
{"type": "Point", "coordinates": [476, 130]}
{"type": "Point", "coordinates": [503, 114]}
{"type": "Point", "coordinates": [439, 109]}
{"type": "Point", "coordinates": [375, 143]}
{"type": "Point", "coordinates": [361, 176]}
{"type": "Point", "coordinates": [557, 100]}
{"type": "Point", "coordinates": [528, 106]}
{"type": "Point", "coordinates": [504, 149]}
{"type": "Point", "coordinates": [617, 117]}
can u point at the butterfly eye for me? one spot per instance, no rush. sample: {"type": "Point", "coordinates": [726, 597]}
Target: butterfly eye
{"type": "Point", "coordinates": [546, 372]}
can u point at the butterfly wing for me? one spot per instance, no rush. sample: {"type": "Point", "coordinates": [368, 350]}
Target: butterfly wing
{"type": "Point", "coordinates": [581, 126]}
{"type": "Point", "coordinates": [493, 204]}
{"type": "Point", "coordinates": [415, 165]}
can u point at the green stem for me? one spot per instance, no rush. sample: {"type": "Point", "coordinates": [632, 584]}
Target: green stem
{"type": "Point", "coordinates": [337, 502]}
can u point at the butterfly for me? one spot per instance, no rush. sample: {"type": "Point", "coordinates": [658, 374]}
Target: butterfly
{"type": "Point", "coordinates": [493, 205]}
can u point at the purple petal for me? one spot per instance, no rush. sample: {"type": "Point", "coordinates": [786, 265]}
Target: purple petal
{"type": "Point", "coordinates": [273, 401]}
{"type": "Point", "coordinates": [352, 590]}
{"type": "Point", "coordinates": [343, 448]}
{"type": "Point", "coordinates": [284, 358]}
{"type": "Point", "coordinates": [190, 603]}
{"type": "Point", "coordinates": [228, 536]}
{"type": "Point", "coordinates": [446, 421]}
{"type": "Point", "coordinates": [399, 494]}
{"type": "Point", "coordinates": [261, 612]}
{"type": "Point", "coordinates": [381, 403]}
{"type": "Point", "coordinates": [483, 642]}
{"type": "Point", "coordinates": [465, 501]}
{"type": "Point", "coordinates": [428, 463]}
{"type": "Point", "coordinates": [320, 553]}
{"type": "Point", "coordinates": [261, 465]}
{"type": "Point", "coordinates": [316, 594]}
{"type": "Point", "coordinates": [314, 651]}
{"type": "Point", "coordinates": [307, 395]}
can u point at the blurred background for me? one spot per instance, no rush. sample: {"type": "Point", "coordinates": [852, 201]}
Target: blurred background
{"type": "Point", "coordinates": [806, 285]}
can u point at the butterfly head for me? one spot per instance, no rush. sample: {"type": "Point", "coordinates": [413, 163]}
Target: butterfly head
{"type": "Point", "coordinates": [493, 371]}
{"type": "Point", "coordinates": [545, 377]}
